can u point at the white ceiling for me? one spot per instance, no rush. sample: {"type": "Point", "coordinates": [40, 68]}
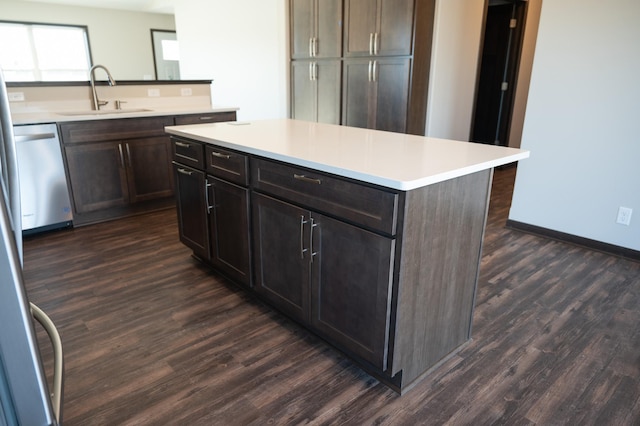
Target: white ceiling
{"type": "Point", "coordinates": [152, 6]}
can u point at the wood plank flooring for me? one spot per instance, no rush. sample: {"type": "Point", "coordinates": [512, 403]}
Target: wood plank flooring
{"type": "Point", "coordinates": [152, 337]}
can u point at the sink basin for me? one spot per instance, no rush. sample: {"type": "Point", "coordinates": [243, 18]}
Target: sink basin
{"type": "Point", "coordinates": [103, 111]}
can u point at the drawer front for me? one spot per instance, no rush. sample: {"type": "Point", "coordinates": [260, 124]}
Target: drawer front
{"type": "Point", "coordinates": [214, 117]}
{"type": "Point", "coordinates": [228, 165]}
{"type": "Point", "coordinates": [364, 205]}
{"type": "Point", "coordinates": [188, 152]}
{"type": "Point", "coordinates": [113, 129]}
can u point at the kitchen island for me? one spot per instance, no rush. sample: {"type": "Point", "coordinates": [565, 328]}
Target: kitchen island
{"type": "Point", "coordinates": [370, 239]}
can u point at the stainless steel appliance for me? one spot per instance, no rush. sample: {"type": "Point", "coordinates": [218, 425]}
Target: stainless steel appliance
{"type": "Point", "coordinates": [44, 195]}
{"type": "Point", "coordinates": [24, 393]}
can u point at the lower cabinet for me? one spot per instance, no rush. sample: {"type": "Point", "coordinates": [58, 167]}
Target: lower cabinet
{"type": "Point", "coordinates": [192, 209]}
{"type": "Point", "coordinates": [228, 211]}
{"type": "Point", "coordinates": [213, 213]}
{"type": "Point", "coordinates": [333, 276]}
{"type": "Point", "coordinates": [111, 174]}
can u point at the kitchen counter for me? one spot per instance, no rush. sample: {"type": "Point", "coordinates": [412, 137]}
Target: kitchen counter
{"type": "Point", "coordinates": [393, 160]}
{"type": "Point", "coordinates": [41, 117]}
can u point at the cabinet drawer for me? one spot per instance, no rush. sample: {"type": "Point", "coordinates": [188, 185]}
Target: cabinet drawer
{"type": "Point", "coordinates": [113, 129]}
{"type": "Point", "coordinates": [188, 152]}
{"type": "Point", "coordinates": [370, 207]}
{"type": "Point", "coordinates": [228, 165]}
{"type": "Point", "coordinates": [213, 117]}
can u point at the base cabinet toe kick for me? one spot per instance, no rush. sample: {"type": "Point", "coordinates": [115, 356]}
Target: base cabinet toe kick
{"type": "Point", "coordinates": [386, 276]}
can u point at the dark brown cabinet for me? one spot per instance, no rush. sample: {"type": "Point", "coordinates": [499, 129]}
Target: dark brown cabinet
{"type": "Point", "coordinates": [316, 29]}
{"type": "Point", "coordinates": [378, 27]}
{"type": "Point", "coordinates": [316, 91]}
{"type": "Point", "coordinates": [387, 276]}
{"type": "Point", "coordinates": [384, 60]}
{"type": "Point", "coordinates": [213, 206]}
{"type": "Point", "coordinates": [112, 164]}
{"type": "Point", "coordinates": [192, 209]}
{"type": "Point", "coordinates": [376, 93]}
{"type": "Point", "coordinates": [334, 276]}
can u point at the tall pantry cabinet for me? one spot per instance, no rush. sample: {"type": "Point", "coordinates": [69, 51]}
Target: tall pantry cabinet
{"type": "Point", "coordinates": [378, 76]}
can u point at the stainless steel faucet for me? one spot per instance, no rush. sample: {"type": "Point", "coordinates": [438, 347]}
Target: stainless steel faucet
{"type": "Point", "coordinates": [98, 103]}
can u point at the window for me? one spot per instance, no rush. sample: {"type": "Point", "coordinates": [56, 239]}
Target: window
{"type": "Point", "coordinates": [44, 52]}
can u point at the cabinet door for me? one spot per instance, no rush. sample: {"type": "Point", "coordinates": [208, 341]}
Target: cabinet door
{"type": "Point", "coordinates": [360, 20]}
{"type": "Point", "coordinates": [192, 209]}
{"type": "Point", "coordinates": [281, 263]}
{"type": "Point", "coordinates": [302, 28]}
{"type": "Point", "coordinates": [391, 95]}
{"type": "Point", "coordinates": [395, 28]}
{"type": "Point", "coordinates": [316, 28]}
{"type": "Point", "coordinates": [229, 228]}
{"type": "Point", "coordinates": [328, 23]}
{"type": "Point", "coordinates": [376, 93]}
{"type": "Point", "coordinates": [316, 91]}
{"type": "Point", "coordinates": [97, 175]}
{"type": "Point", "coordinates": [378, 27]}
{"type": "Point", "coordinates": [149, 169]}
{"type": "Point", "coordinates": [357, 105]}
{"type": "Point", "coordinates": [352, 275]}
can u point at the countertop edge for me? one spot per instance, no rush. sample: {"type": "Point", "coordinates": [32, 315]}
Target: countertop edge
{"type": "Point", "coordinates": [400, 185]}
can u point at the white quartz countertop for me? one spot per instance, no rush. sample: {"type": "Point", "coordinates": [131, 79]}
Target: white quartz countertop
{"type": "Point", "coordinates": [393, 160]}
{"type": "Point", "coordinates": [41, 117]}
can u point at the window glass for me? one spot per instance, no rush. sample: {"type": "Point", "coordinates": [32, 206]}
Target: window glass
{"type": "Point", "coordinates": [43, 52]}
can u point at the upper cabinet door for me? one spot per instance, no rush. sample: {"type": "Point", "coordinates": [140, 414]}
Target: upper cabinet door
{"type": "Point", "coordinates": [316, 29]}
{"type": "Point", "coordinates": [378, 27]}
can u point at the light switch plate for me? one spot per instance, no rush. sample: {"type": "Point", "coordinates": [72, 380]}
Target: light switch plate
{"type": "Point", "coordinates": [153, 93]}
{"type": "Point", "coordinates": [186, 91]}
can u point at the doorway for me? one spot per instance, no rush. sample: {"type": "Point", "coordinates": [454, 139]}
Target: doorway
{"type": "Point", "coordinates": [501, 50]}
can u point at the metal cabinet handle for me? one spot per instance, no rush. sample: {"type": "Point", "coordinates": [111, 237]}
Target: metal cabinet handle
{"type": "Point", "coordinates": [373, 76]}
{"type": "Point", "coordinates": [315, 71]}
{"type": "Point", "coordinates": [375, 44]}
{"type": "Point", "coordinates": [207, 185]}
{"type": "Point", "coordinates": [370, 65]}
{"type": "Point", "coordinates": [220, 155]}
{"type": "Point", "coordinates": [307, 179]}
{"type": "Point", "coordinates": [185, 172]}
{"type": "Point", "coordinates": [121, 155]}
{"type": "Point", "coordinates": [128, 154]}
{"type": "Point", "coordinates": [302, 249]}
{"type": "Point", "coordinates": [207, 118]}
{"type": "Point", "coordinates": [370, 43]}
{"type": "Point", "coordinates": [182, 144]}
{"type": "Point", "coordinates": [36, 137]}
{"type": "Point", "coordinates": [313, 253]}
{"type": "Point", "coordinates": [311, 47]}
{"type": "Point", "coordinates": [310, 71]}
{"type": "Point", "coordinates": [315, 47]}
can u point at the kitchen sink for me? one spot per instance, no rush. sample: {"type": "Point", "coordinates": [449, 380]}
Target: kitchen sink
{"type": "Point", "coordinates": [103, 111]}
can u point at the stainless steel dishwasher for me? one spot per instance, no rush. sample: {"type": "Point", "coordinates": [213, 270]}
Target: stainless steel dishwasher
{"type": "Point", "coordinates": [44, 194]}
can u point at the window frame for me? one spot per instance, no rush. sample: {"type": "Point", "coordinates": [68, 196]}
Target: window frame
{"type": "Point", "coordinates": [38, 71]}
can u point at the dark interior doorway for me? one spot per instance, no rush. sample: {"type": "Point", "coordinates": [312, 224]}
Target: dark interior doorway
{"type": "Point", "coordinates": [502, 44]}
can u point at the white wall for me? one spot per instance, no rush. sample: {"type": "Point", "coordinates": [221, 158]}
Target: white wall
{"type": "Point", "coordinates": [582, 122]}
{"type": "Point", "coordinates": [454, 64]}
{"type": "Point", "coordinates": [242, 46]}
{"type": "Point", "coordinates": [120, 40]}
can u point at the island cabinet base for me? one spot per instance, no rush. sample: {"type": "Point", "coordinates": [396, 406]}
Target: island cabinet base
{"type": "Point", "coordinates": [387, 276]}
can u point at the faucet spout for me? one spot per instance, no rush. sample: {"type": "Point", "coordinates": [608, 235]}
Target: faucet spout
{"type": "Point", "coordinates": [92, 75]}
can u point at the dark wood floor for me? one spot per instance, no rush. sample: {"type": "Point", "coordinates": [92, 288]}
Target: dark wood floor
{"type": "Point", "coordinates": [151, 337]}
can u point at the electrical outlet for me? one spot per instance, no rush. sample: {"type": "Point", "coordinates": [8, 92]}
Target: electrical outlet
{"type": "Point", "coordinates": [16, 96]}
{"type": "Point", "coordinates": [186, 91]}
{"type": "Point", "coordinates": [624, 216]}
{"type": "Point", "coordinates": [153, 93]}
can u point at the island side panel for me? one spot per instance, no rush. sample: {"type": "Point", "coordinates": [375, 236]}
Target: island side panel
{"type": "Point", "coordinates": [440, 259]}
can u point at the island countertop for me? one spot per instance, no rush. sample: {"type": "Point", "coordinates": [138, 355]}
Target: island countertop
{"type": "Point", "coordinates": [393, 160]}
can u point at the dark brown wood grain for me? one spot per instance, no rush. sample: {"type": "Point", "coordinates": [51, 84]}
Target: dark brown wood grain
{"type": "Point", "coordinates": [152, 336]}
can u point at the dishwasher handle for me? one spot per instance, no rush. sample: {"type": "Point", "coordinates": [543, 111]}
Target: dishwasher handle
{"type": "Point", "coordinates": [34, 137]}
